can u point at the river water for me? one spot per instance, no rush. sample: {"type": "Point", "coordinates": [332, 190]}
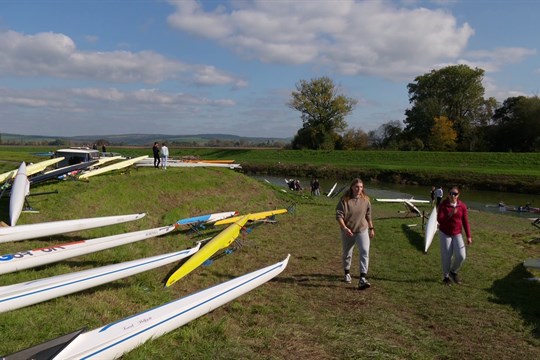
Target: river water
{"type": "Point", "coordinates": [475, 199]}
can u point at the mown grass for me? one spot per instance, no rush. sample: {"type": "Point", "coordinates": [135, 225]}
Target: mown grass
{"type": "Point", "coordinates": [305, 313]}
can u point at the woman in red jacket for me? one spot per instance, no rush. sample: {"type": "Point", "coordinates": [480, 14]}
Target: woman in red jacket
{"type": "Point", "coordinates": [452, 218]}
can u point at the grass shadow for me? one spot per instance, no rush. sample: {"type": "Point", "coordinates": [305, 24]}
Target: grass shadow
{"type": "Point", "coordinates": [522, 294]}
{"type": "Point", "coordinates": [415, 239]}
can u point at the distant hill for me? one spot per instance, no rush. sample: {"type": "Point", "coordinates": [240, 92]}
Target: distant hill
{"type": "Point", "coordinates": [145, 140]}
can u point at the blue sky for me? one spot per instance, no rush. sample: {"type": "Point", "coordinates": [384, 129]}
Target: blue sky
{"type": "Point", "coordinates": [96, 67]}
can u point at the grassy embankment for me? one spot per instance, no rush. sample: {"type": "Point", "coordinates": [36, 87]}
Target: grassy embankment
{"type": "Point", "coordinates": [516, 172]}
{"type": "Point", "coordinates": [487, 171]}
{"type": "Point", "coordinates": [307, 312]}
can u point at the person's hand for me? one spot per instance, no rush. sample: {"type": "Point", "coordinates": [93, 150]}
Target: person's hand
{"type": "Point", "coordinates": [371, 233]}
{"type": "Point", "coordinates": [469, 240]}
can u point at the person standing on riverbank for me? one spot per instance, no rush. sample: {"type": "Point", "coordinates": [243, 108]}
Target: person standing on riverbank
{"type": "Point", "coordinates": [453, 218]}
{"type": "Point", "coordinates": [353, 214]}
{"type": "Point", "coordinates": [164, 155]}
{"type": "Point", "coordinates": [315, 187]}
{"type": "Point", "coordinates": [155, 151]}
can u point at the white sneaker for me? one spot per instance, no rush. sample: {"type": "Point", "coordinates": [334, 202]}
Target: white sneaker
{"type": "Point", "coordinates": [363, 284]}
{"type": "Point", "coordinates": [348, 278]}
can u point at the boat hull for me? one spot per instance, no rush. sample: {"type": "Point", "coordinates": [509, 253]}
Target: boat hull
{"type": "Point", "coordinates": [220, 241]}
{"type": "Point", "coordinates": [51, 254]}
{"type": "Point", "coordinates": [33, 231]}
{"type": "Point", "coordinates": [115, 339]}
{"type": "Point", "coordinates": [19, 191]}
{"type": "Point", "coordinates": [21, 295]}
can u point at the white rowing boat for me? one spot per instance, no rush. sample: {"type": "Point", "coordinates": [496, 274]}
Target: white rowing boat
{"type": "Point", "coordinates": [33, 231]}
{"type": "Point", "coordinates": [180, 163]}
{"type": "Point", "coordinates": [399, 200]}
{"type": "Point", "coordinates": [431, 229]}
{"type": "Point", "coordinates": [32, 292]}
{"type": "Point", "coordinates": [31, 169]}
{"type": "Point", "coordinates": [47, 255]}
{"type": "Point", "coordinates": [19, 190]}
{"type": "Point", "coordinates": [115, 339]}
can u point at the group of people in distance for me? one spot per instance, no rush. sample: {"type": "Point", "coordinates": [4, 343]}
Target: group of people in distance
{"type": "Point", "coordinates": [160, 155]}
{"type": "Point", "coordinates": [353, 214]}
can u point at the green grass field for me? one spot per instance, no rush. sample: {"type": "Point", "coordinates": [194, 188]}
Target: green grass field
{"type": "Point", "coordinates": [305, 313]}
{"type": "Point", "coordinates": [511, 172]}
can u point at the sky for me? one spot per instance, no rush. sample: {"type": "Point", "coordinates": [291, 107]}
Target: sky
{"type": "Point", "coordinates": [96, 67]}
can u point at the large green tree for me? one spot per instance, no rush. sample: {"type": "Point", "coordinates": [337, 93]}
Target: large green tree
{"type": "Point", "coordinates": [455, 92]}
{"type": "Point", "coordinates": [323, 113]}
{"type": "Point", "coordinates": [517, 125]}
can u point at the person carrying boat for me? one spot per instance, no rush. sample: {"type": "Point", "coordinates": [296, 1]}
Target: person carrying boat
{"type": "Point", "coordinates": [353, 214]}
{"type": "Point", "coordinates": [157, 158]}
{"type": "Point", "coordinates": [453, 218]}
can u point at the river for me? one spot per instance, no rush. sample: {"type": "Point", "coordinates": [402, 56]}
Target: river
{"type": "Point", "coordinates": [475, 199]}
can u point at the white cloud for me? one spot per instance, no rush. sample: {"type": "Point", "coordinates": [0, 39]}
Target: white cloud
{"type": "Point", "coordinates": [56, 55]}
{"type": "Point", "coordinates": [351, 37]}
{"type": "Point", "coordinates": [500, 93]}
{"type": "Point", "coordinates": [107, 111]}
{"type": "Point", "coordinates": [210, 75]}
{"type": "Point", "coordinates": [493, 60]}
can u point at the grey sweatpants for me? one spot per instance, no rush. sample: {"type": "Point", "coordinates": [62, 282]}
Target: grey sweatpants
{"type": "Point", "coordinates": [362, 240]}
{"type": "Point", "coordinates": [453, 252]}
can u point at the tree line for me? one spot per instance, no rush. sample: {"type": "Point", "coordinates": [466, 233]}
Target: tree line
{"type": "Point", "coordinates": [448, 112]}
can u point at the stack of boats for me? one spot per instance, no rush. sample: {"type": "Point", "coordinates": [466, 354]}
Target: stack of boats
{"type": "Point", "coordinates": [171, 162]}
{"type": "Point", "coordinates": [113, 340]}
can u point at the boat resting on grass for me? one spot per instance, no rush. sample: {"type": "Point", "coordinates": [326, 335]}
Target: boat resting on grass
{"type": "Point", "coordinates": [31, 169]}
{"type": "Point", "coordinates": [58, 173]}
{"type": "Point", "coordinates": [116, 166]}
{"type": "Point", "coordinates": [251, 217]}
{"type": "Point", "coordinates": [19, 190]}
{"type": "Point", "coordinates": [411, 208]}
{"type": "Point", "coordinates": [54, 253]}
{"type": "Point", "coordinates": [33, 231]}
{"type": "Point", "coordinates": [182, 163]}
{"type": "Point", "coordinates": [206, 219]}
{"type": "Point", "coordinates": [115, 339]}
{"type": "Point", "coordinates": [220, 241]}
{"type": "Point", "coordinates": [32, 292]}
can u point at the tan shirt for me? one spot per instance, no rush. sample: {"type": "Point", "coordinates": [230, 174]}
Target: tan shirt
{"type": "Point", "coordinates": [356, 213]}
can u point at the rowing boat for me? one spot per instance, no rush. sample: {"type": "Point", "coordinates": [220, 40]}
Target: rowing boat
{"type": "Point", "coordinates": [331, 190]}
{"type": "Point", "coordinates": [55, 174]}
{"type": "Point", "coordinates": [31, 169]}
{"type": "Point", "coordinates": [116, 166]}
{"type": "Point", "coordinates": [33, 231]}
{"type": "Point", "coordinates": [115, 339]}
{"type": "Point", "coordinates": [54, 253]}
{"type": "Point", "coordinates": [431, 229]}
{"type": "Point", "coordinates": [19, 190]}
{"type": "Point", "coordinates": [206, 219]}
{"type": "Point", "coordinates": [220, 241]}
{"type": "Point", "coordinates": [252, 217]}
{"type": "Point", "coordinates": [32, 292]}
{"type": "Point", "coordinates": [180, 163]}
{"type": "Point", "coordinates": [412, 208]}
{"type": "Point", "coordinates": [399, 200]}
